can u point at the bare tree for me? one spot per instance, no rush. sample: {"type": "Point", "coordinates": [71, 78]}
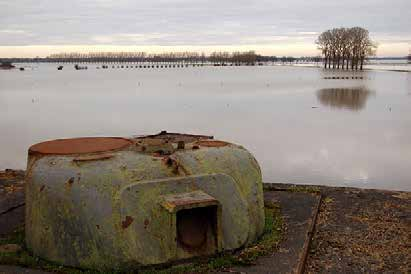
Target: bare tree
{"type": "Point", "coordinates": [342, 46]}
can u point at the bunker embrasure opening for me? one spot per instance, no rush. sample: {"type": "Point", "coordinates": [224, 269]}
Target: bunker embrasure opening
{"type": "Point", "coordinates": [197, 229]}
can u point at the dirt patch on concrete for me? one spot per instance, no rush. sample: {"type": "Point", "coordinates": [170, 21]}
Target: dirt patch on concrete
{"type": "Point", "coordinates": [11, 200]}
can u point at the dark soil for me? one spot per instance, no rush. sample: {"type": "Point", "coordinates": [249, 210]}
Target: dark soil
{"type": "Point", "coordinates": [11, 200]}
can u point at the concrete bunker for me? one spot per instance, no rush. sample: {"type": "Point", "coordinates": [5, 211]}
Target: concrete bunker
{"type": "Point", "coordinates": [109, 202]}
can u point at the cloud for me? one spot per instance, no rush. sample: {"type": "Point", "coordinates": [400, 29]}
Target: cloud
{"type": "Point", "coordinates": [187, 22]}
{"type": "Point", "coordinates": [121, 38]}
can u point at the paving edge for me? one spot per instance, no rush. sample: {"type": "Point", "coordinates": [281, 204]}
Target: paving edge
{"type": "Point", "coordinates": [310, 233]}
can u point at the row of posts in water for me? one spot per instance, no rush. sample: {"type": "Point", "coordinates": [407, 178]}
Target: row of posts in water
{"type": "Point", "coordinates": [78, 67]}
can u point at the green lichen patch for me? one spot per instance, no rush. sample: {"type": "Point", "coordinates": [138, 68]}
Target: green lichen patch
{"type": "Point", "coordinates": [293, 188]}
{"type": "Point", "coordinates": [267, 243]}
{"type": "Point", "coordinates": [305, 189]}
{"type": "Point", "coordinates": [24, 258]}
{"type": "Point", "coordinates": [21, 257]}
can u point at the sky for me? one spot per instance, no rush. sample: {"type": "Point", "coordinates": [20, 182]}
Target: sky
{"type": "Point", "coordinates": [30, 28]}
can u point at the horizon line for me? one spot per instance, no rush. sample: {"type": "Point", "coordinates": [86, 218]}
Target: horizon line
{"type": "Point", "coordinates": [395, 50]}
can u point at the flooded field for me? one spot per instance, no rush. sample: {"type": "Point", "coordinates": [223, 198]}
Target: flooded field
{"type": "Point", "coordinates": [304, 125]}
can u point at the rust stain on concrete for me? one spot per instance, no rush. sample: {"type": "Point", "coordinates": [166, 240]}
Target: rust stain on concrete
{"type": "Point", "coordinates": [127, 222]}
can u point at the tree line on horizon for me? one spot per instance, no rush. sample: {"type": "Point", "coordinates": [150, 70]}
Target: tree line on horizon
{"type": "Point", "coordinates": [165, 57]}
{"type": "Point", "coordinates": [346, 48]}
{"type": "Point", "coordinates": [221, 57]}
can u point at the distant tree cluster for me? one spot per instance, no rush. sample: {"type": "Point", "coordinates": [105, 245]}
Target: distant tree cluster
{"type": "Point", "coordinates": [346, 48]}
{"type": "Point", "coordinates": [128, 57]}
{"type": "Point", "coordinates": [248, 57]}
{"type": "Point", "coordinates": [219, 58]}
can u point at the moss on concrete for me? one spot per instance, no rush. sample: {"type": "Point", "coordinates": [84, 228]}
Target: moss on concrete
{"type": "Point", "coordinates": [292, 188]}
{"type": "Point", "coordinates": [266, 244]}
{"type": "Point", "coordinates": [23, 257]}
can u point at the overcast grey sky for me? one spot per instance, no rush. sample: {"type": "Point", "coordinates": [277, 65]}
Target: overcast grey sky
{"type": "Point", "coordinates": [40, 27]}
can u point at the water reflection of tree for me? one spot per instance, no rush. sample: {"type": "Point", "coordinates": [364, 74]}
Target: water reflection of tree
{"type": "Point", "coordinates": [349, 98]}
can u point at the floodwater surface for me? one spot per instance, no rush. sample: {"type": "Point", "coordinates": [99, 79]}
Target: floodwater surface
{"type": "Point", "coordinates": [302, 126]}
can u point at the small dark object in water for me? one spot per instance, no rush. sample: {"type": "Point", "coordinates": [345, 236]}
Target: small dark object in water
{"type": "Point", "coordinates": [77, 67]}
{"type": "Point", "coordinates": [60, 68]}
{"type": "Point", "coordinates": [21, 68]}
{"type": "Point", "coordinates": [6, 65]}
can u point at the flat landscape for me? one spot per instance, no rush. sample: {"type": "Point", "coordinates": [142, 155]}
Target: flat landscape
{"type": "Point", "coordinates": [304, 125]}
